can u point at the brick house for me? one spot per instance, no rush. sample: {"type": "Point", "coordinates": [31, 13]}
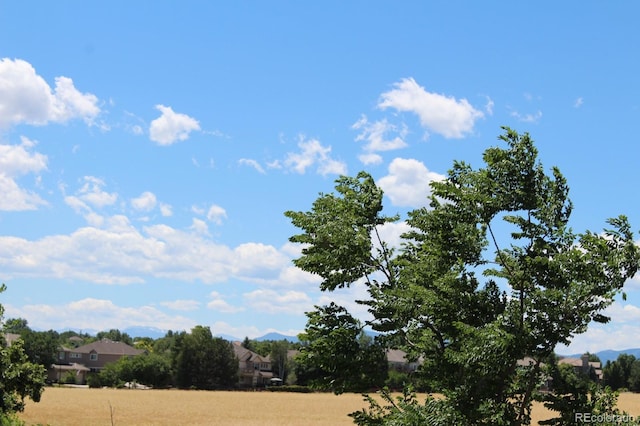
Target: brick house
{"type": "Point", "coordinates": [584, 366]}
{"type": "Point", "coordinates": [254, 370]}
{"type": "Point", "coordinates": [88, 358]}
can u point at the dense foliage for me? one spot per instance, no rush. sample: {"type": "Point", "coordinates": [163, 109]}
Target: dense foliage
{"type": "Point", "coordinates": [488, 274]}
{"type": "Point", "coordinates": [20, 378]}
{"type": "Point", "coordinates": [336, 355]}
{"type": "Point", "coordinates": [202, 361]}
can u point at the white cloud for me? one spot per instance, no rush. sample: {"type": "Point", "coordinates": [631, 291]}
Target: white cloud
{"type": "Point", "coordinates": [145, 202]}
{"type": "Point", "coordinates": [617, 335]}
{"type": "Point", "coordinates": [216, 214]}
{"type": "Point", "coordinates": [407, 183]}
{"type": "Point", "coordinates": [181, 305]}
{"type": "Point", "coordinates": [217, 303]}
{"type": "Point", "coordinates": [441, 114]}
{"type": "Point", "coordinates": [390, 233]}
{"type": "Point", "coordinates": [90, 195]}
{"type": "Point", "coordinates": [15, 198]}
{"type": "Point", "coordinates": [578, 103]}
{"type": "Point", "coordinates": [98, 314]}
{"type": "Point", "coordinates": [252, 163]}
{"type": "Point", "coordinates": [527, 118]}
{"type": "Point", "coordinates": [15, 161]}
{"type": "Point", "coordinates": [373, 133]}
{"type": "Point", "coordinates": [171, 127]}
{"type": "Point", "coordinates": [370, 159]}
{"type": "Point", "coordinates": [166, 210]}
{"type": "Point", "coordinates": [113, 251]}
{"type": "Point", "coordinates": [25, 97]}
{"type": "Point", "coordinates": [312, 152]}
{"type": "Point", "coordinates": [199, 226]}
{"type": "Point", "coordinates": [273, 302]}
{"type": "Point", "coordinates": [489, 106]}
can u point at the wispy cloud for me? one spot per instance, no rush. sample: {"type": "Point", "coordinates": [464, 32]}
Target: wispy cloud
{"type": "Point", "coordinates": [252, 163]}
{"type": "Point", "coordinates": [313, 153]}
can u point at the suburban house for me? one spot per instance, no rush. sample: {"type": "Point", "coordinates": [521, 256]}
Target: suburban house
{"type": "Point", "coordinates": [254, 370]}
{"type": "Point", "coordinates": [88, 358]}
{"type": "Point", "coordinates": [398, 361]}
{"type": "Point", "coordinates": [583, 365]}
{"type": "Point", "coordinates": [9, 338]}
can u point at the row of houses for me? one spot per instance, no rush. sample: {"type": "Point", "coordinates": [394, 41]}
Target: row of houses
{"type": "Point", "coordinates": [254, 370]}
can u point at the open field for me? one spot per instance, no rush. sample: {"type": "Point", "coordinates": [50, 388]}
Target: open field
{"type": "Point", "coordinates": [82, 406]}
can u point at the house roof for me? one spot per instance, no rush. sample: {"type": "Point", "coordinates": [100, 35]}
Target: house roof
{"type": "Point", "coordinates": [245, 354]}
{"type": "Point", "coordinates": [70, 367]}
{"type": "Point", "coordinates": [108, 347]}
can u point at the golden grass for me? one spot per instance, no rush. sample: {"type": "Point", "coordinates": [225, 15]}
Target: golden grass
{"type": "Point", "coordinates": [82, 406]}
{"type": "Point", "coordinates": [88, 407]}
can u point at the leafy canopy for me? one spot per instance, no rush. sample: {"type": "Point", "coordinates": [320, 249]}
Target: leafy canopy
{"type": "Point", "coordinates": [489, 273]}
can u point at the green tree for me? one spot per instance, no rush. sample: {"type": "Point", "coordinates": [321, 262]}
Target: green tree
{"type": "Point", "coordinates": [41, 347]}
{"type": "Point", "coordinates": [634, 376]}
{"type": "Point", "coordinates": [617, 373]}
{"type": "Point", "coordinates": [489, 273]}
{"type": "Point", "coordinates": [576, 392]}
{"type": "Point", "coordinates": [20, 378]}
{"type": "Point", "coordinates": [116, 336]}
{"type": "Point", "coordinates": [336, 356]}
{"type": "Point", "coordinates": [16, 325]}
{"type": "Point", "coordinates": [148, 369]}
{"type": "Point", "coordinates": [279, 358]}
{"type": "Point", "coordinates": [205, 362]}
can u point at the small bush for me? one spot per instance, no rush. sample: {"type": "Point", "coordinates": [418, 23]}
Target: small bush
{"type": "Point", "coordinates": [69, 378]}
{"type": "Point", "coordinates": [93, 380]}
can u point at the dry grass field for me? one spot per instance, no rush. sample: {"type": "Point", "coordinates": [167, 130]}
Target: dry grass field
{"type": "Point", "coordinates": [82, 406]}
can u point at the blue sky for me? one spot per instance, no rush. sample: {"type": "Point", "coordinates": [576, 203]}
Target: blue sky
{"type": "Point", "coordinates": [149, 150]}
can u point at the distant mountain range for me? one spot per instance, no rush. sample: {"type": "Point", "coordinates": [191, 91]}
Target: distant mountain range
{"type": "Point", "coordinates": [156, 333]}
{"type": "Point", "coordinates": [610, 355]}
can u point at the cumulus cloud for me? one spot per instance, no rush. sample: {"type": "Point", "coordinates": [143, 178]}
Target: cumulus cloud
{"type": "Point", "coordinates": [15, 161]}
{"type": "Point", "coordinates": [145, 202]}
{"type": "Point", "coordinates": [438, 113]}
{"type": "Point", "coordinates": [199, 226]}
{"type": "Point", "coordinates": [311, 153]}
{"type": "Point", "coordinates": [391, 232]}
{"type": "Point", "coordinates": [216, 213]}
{"type": "Point", "coordinates": [15, 198]}
{"type": "Point", "coordinates": [181, 305]}
{"type": "Point", "coordinates": [171, 126]}
{"type": "Point", "coordinates": [273, 302]}
{"type": "Point", "coordinates": [217, 303]}
{"type": "Point", "coordinates": [407, 183]}
{"type": "Point", "coordinates": [25, 97]}
{"type": "Point", "coordinates": [97, 314]}
{"type": "Point", "coordinates": [117, 252]}
{"type": "Point", "coordinates": [166, 210]}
